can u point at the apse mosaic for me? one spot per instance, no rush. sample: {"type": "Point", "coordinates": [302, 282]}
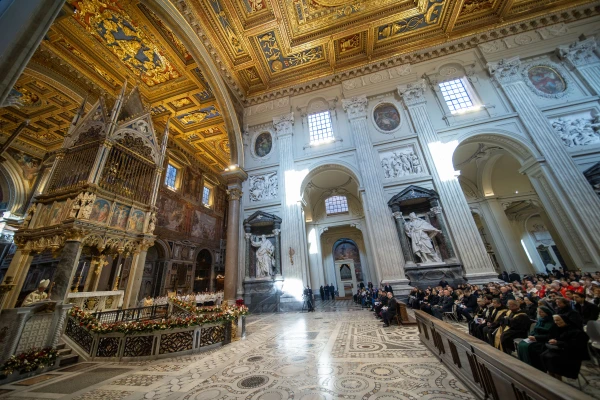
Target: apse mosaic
{"type": "Point", "coordinates": [546, 79]}
{"type": "Point", "coordinates": [109, 23]}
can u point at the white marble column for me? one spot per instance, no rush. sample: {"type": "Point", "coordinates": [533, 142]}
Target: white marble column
{"type": "Point", "coordinates": [568, 197]}
{"type": "Point", "coordinates": [388, 255]}
{"type": "Point", "coordinates": [580, 57]}
{"type": "Point", "coordinates": [464, 233]}
{"type": "Point", "coordinates": [293, 264]}
{"type": "Point", "coordinates": [507, 244]}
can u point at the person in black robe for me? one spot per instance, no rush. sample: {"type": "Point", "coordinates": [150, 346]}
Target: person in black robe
{"type": "Point", "coordinates": [493, 322]}
{"type": "Point", "coordinates": [514, 325]}
{"type": "Point", "coordinates": [431, 299]}
{"type": "Point", "coordinates": [326, 290]}
{"type": "Point", "coordinates": [478, 314]}
{"type": "Point", "coordinates": [566, 349]}
{"type": "Point", "coordinates": [531, 305]}
{"type": "Point", "coordinates": [563, 307]}
{"type": "Point", "coordinates": [322, 293]}
{"type": "Point", "coordinates": [332, 291]}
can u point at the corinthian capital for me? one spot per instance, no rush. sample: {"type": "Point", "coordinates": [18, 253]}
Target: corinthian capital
{"type": "Point", "coordinates": [356, 107]}
{"type": "Point", "coordinates": [506, 70]}
{"type": "Point", "coordinates": [283, 124]}
{"type": "Point", "coordinates": [234, 194]}
{"type": "Point", "coordinates": [578, 54]}
{"type": "Point", "coordinates": [413, 93]}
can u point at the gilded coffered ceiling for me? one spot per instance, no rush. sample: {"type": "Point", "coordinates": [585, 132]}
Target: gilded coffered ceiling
{"type": "Point", "coordinates": [272, 44]}
{"type": "Point", "coordinates": [90, 50]}
{"type": "Point", "coordinates": [260, 47]}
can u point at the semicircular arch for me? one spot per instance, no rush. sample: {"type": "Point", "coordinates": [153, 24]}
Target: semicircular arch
{"type": "Point", "coordinates": [177, 23]}
{"type": "Point", "coordinates": [518, 146]}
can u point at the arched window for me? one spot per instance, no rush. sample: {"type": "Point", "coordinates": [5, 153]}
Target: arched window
{"type": "Point", "coordinates": [336, 205]}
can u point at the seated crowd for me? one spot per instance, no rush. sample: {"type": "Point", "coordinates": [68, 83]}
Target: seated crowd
{"type": "Point", "coordinates": [380, 301]}
{"type": "Point", "coordinates": [546, 314]}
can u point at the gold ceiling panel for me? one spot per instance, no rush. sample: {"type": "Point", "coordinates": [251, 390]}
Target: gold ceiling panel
{"type": "Point", "coordinates": [293, 41]}
{"type": "Point", "coordinates": [92, 49]}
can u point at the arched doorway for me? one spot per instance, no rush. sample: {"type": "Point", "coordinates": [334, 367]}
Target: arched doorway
{"type": "Point", "coordinates": [338, 249]}
{"type": "Point", "coordinates": [202, 275]}
{"type": "Point", "coordinates": [503, 200]}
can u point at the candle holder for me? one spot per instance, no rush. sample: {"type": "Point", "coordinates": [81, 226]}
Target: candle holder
{"type": "Point", "coordinates": [116, 285]}
{"type": "Point", "coordinates": [77, 284]}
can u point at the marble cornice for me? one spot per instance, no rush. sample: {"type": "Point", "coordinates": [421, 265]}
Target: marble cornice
{"type": "Point", "coordinates": [416, 57]}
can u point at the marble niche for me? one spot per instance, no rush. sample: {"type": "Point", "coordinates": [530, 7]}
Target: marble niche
{"type": "Point", "coordinates": [262, 278]}
{"type": "Point", "coordinates": [424, 238]}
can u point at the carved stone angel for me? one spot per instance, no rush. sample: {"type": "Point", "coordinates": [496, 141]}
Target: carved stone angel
{"type": "Point", "coordinates": [152, 223]}
{"type": "Point", "coordinates": [29, 216]}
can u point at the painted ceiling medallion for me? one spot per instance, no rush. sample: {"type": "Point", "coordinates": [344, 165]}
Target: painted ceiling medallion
{"type": "Point", "coordinates": [109, 23]}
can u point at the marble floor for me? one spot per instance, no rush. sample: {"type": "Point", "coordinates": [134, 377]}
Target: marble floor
{"type": "Point", "coordinates": [338, 352]}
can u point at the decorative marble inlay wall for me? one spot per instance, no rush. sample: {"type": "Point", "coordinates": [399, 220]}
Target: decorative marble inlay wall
{"type": "Point", "coordinates": [35, 332]}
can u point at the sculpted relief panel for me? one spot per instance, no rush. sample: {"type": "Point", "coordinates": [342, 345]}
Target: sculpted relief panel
{"type": "Point", "coordinates": [575, 131]}
{"type": "Point", "coordinates": [263, 187]}
{"type": "Point", "coordinates": [401, 162]}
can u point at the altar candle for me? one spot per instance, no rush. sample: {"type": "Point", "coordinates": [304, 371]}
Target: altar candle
{"type": "Point", "coordinates": [82, 268]}
{"type": "Point", "coordinates": [119, 270]}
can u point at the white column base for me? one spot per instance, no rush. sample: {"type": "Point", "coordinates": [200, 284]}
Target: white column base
{"type": "Point", "coordinates": [481, 278]}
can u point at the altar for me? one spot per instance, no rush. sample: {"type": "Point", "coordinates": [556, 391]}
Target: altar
{"type": "Point", "coordinates": [97, 301]}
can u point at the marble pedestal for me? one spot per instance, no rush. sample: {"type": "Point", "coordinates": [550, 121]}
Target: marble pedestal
{"type": "Point", "coordinates": [424, 275]}
{"type": "Point", "coordinates": [262, 295]}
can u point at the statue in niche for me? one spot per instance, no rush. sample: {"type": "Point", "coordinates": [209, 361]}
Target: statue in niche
{"type": "Point", "coordinates": [264, 256]}
{"type": "Point", "coordinates": [421, 232]}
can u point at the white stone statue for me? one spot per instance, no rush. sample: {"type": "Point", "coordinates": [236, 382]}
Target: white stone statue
{"type": "Point", "coordinates": [420, 232]}
{"type": "Point", "coordinates": [264, 256]}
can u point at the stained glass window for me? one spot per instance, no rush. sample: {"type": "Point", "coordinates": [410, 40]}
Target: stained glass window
{"type": "Point", "coordinates": [206, 196]}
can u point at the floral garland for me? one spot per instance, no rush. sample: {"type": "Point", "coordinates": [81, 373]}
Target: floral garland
{"type": "Point", "coordinates": [90, 323]}
{"type": "Point", "coordinates": [30, 360]}
{"type": "Point", "coordinates": [239, 309]}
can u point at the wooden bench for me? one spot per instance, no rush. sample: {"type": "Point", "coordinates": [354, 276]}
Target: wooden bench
{"type": "Point", "coordinates": [402, 317]}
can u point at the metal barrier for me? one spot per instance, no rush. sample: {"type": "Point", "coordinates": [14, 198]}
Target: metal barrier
{"type": "Point", "coordinates": [133, 314]}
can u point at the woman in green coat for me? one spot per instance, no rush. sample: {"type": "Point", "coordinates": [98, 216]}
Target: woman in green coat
{"type": "Point", "coordinates": [530, 349]}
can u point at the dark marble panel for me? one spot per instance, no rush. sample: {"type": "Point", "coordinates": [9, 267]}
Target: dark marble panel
{"type": "Point", "coordinates": [422, 276]}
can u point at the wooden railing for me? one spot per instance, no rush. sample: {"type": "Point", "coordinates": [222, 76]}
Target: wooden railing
{"type": "Point", "coordinates": [487, 372]}
{"type": "Point", "coordinates": [133, 314]}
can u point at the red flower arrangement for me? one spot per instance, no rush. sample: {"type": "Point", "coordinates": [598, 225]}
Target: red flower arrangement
{"type": "Point", "coordinates": [30, 360]}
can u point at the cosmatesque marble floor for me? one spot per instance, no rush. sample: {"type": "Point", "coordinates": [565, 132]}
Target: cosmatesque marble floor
{"type": "Point", "coordinates": [338, 352]}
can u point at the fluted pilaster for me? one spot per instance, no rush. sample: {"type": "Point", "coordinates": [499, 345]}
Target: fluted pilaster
{"type": "Point", "coordinates": [293, 241]}
{"type": "Point", "coordinates": [388, 255]}
{"type": "Point", "coordinates": [573, 204]}
{"type": "Point", "coordinates": [580, 56]}
{"type": "Point", "coordinates": [469, 245]}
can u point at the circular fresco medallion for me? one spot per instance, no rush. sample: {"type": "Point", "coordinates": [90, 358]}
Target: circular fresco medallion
{"type": "Point", "coordinates": [386, 117]}
{"type": "Point", "coordinates": [263, 144]}
{"type": "Point", "coordinates": [546, 79]}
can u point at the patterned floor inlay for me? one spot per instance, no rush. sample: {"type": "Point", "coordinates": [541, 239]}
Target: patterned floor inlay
{"type": "Point", "coordinates": [35, 380]}
{"type": "Point", "coordinates": [339, 352]}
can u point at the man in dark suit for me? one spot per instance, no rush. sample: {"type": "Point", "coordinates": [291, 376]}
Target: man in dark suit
{"type": "Point", "coordinates": [390, 312]}
{"type": "Point", "coordinates": [322, 293]}
{"type": "Point", "coordinates": [326, 290]}
{"type": "Point", "coordinates": [332, 291]}
{"type": "Point", "coordinates": [445, 305]}
{"type": "Point", "coordinates": [588, 311]}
